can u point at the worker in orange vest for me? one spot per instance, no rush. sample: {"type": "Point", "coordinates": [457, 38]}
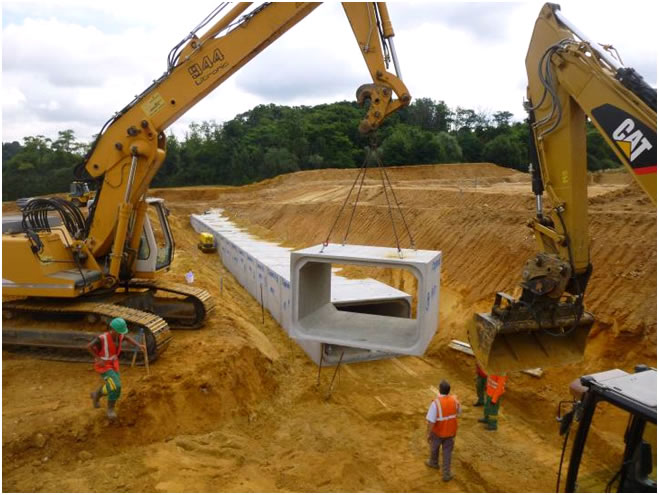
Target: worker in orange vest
{"type": "Point", "coordinates": [481, 380]}
{"type": "Point", "coordinates": [106, 349]}
{"type": "Point", "coordinates": [496, 385]}
{"type": "Point", "coordinates": [442, 425]}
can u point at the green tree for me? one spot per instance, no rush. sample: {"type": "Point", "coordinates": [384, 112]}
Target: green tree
{"type": "Point", "coordinates": [504, 151]}
{"type": "Point", "coordinates": [279, 161]}
{"type": "Point", "coordinates": [471, 146]}
{"type": "Point", "coordinates": [408, 145]}
{"type": "Point", "coordinates": [451, 152]}
{"type": "Point", "coordinates": [502, 118]}
{"type": "Point", "coordinates": [600, 156]}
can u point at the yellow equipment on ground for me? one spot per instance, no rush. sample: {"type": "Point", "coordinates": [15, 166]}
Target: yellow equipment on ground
{"type": "Point", "coordinates": [569, 78]}
{"type": "Point", "coordinates": [206, 242]}
{"type": "Point", "coordinates": [79, 193]}
{"type": "Point", "coordinates": [105, 265]}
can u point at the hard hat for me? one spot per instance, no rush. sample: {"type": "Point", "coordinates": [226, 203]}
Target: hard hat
{"type": "Point", "coordinates": [119, 325]}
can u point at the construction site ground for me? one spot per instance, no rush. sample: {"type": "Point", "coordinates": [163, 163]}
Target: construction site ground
{"type": "Point", "coordinates": [236, 406]}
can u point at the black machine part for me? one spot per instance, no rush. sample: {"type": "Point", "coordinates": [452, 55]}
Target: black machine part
{"type": "Point", "coordinates": [635, 393]}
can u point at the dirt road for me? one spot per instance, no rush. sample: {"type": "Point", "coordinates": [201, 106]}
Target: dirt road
{"type": "Point", "coordinates": [237, 407]}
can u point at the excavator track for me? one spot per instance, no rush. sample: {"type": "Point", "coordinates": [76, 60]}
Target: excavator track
{"type": "Point", "coordinates": [178, 318]}
{"type": "Point", "coordinates": [70, 344]}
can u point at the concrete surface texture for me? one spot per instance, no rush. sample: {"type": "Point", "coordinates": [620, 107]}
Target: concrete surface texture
{"type": "Point", "coordinates": [316, 318]}
{"type": "Point", "coordinates": [362, 305]}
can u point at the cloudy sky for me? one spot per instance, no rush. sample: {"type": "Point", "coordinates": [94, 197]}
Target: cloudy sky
{"type": "Point", "coordinates": [70, 64]}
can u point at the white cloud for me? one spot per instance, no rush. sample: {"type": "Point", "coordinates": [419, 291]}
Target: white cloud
{"type": "Point", "coordinates": [73, 63]}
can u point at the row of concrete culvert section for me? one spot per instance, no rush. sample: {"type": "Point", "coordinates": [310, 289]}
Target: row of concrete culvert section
{"type": "Point", "coordinates": [359, 319]}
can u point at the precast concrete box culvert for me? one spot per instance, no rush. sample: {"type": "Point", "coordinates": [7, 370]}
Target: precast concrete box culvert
{"type": "Point", "coordinates": [316, 318]}
{"type": "Point", "coordinates": [264, 269]}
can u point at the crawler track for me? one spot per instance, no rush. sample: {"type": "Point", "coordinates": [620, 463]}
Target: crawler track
{"type": "Point", "coordinates": [46, 340]}
{"type": "Point", "coordinates": [179, 318]}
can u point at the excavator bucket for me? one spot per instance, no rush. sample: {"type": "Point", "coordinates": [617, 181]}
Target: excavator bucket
{"type": "Point", "coordinates": [515, 338]}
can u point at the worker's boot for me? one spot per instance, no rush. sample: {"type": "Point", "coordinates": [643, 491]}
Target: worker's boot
{"type": "Point", "coordinates": [491, 425]}
{"type": "Point", "coordinates": [111, 412]}
{"type": "Point", "coordinates": [96, 397]}
{"type": "Point", "coordinates": [483, 420]}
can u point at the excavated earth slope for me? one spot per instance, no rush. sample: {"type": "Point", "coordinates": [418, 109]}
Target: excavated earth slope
{"type": "Point", "coordinates": [237, 406]}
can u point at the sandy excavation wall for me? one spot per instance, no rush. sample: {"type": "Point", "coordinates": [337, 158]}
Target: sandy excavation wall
{"type": "Point", "coordinates": [476, 214]}
{"type": "Point", "coordinates": [235, 407]}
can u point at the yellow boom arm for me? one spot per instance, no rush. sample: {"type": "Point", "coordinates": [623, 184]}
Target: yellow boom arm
{"type": "Point", "coordinates": [131, 149]}
{"type": "Point", "coordinates": [569, 78]}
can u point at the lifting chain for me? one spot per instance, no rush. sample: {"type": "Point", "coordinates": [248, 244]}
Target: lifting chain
{"type": "Point", "coordinates": [371, 150]}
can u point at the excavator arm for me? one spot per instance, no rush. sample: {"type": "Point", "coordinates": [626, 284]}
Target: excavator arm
{"type": "Point", "coordinates": [570, 78]}
{"type": "Point", "coordinates": [131, 148]}
{"type": "Point", "coordinates": [104, 265]}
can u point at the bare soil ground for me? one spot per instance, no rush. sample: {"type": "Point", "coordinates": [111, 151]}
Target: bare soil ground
{"type": "Point", "coordinates": [236, 406]}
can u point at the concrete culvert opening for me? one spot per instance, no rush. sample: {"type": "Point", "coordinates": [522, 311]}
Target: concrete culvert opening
{"type": "Point", "coordinates": [386, 328]}
{"type": "Point", "coordinates": [396, 308]}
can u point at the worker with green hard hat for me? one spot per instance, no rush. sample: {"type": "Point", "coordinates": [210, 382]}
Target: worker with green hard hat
{"type": "Point", "coordinates": [106, 349]}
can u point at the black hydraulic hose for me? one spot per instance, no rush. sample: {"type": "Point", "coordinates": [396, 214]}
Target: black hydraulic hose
{"type": "Point", "coordinates": [560, 464]}
{"type": "Point", "coordinates": [634, 82]}
{"type": "Point", "coordinates": [536, 174]}
{"type": "Point", "coordinates": [579, 307]}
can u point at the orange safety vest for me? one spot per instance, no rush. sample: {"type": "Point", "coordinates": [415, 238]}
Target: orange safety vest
{"type": "Point", "coordinates": [446, 424]}
{"type": "Point", "coordinates": [496, 386]}
{"type": "Point", "coordinates": [108, 355]}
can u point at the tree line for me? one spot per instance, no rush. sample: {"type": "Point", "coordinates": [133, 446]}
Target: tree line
{"type": "Point", "coordinates": [270, 140]}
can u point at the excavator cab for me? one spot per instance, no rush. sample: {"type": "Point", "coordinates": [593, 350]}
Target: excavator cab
{"type": "Point", "coordinates": [630, 464]}
{"type": "Point", "coordinates": [156, 249]}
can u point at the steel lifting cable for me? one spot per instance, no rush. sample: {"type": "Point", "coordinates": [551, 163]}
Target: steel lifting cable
{"type": "Point", "coordinates": [385, 181]}
{"type": "Point", "coordinates": [391, 215]}
{"type": "Point", "coordinates": [354, 206]}
{"type": "Point", "coordinates": [400, 210]}
{"type": "Point", "coordinates": [361, 170]}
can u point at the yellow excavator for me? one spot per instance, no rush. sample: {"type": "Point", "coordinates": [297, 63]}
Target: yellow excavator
{"type": "Point", "coordinates": [570, 78]}
{"type": "Point", "coordinates": [59, 264]}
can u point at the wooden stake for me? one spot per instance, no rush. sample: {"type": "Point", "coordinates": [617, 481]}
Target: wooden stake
{"type": "Point", "coordinates": [146, 358]}
{"type": "Point", "coordinates": [140, 334]}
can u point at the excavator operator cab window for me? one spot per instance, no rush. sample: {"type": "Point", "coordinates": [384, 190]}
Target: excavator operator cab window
{"type": "Point", "coordinates": [630, 443]}
{"type": "Point", "coordinates": [162, 234]}
{"type": "Point", "coordinates": [79, 189]}
{"type": "Point", "coordinates": [144, 251]}
{"type": "Point", "coordinates": [156, 249]}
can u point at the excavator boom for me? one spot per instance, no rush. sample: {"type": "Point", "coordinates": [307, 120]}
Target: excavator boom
{"type": "Point", "coordinates": [111, 257]}
{"type": "Point", "coordinates": [570, 78]}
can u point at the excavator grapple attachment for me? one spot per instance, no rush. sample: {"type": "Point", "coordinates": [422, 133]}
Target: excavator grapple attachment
{"type": "Point", "coordinates": [518, 336]}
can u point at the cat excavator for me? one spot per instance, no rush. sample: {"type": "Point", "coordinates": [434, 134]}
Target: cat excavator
{"type": "Point", "coordinates": [570, 79]}
{"type": "Point", "coordinates": [60, 265]}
